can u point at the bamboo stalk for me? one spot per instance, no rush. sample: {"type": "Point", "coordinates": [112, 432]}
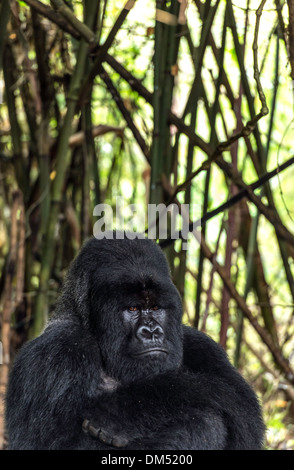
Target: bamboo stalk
{"type": "Point", "coordinates": [119, 102]}
{"type": "Point", "coordinates": [172, 48]}
{"type": "Point", "coordinates": [249, 282]}
{"type": "Point", "coordinates": [271, 213]}
{"type": "Point", "coordinates": [84, 30]}
{"type": "Point", "coordinates": [19, 163]}
{"type": "Point", "coordinates": [233, 200]}
{"type": "Point", "coordinates": [62, 162]}
{"type": "Point", "coordinates": [255, 278]}
{"type": "Point", "coordinates": [291, 35]}
{"type": "Point", "coordinates": [79, 137]}
{"type": "Point", "coordinates": [136, 85]}
{"type": "Point", "coordinates": [267, 211]}
{"type": "Point", "coordinates": [13, 290]}
{"type": "Point", "coordinates": [211, 280]}
{"type": "Point", "coordinates": [253, 116]}
{"type": "Point", "coordinates": [282, 245]}
{"type": "Point", "coordinates": [54, 16]}
{"type": "Point", "coordinates": [95, 69]}
{"type": "Point", "coordinates": [86, 155]}
{"type": "Point", "coordinates": [207, 20]}
{"type": "Point", "coordinates": [4, 17]}
{"type": "Point", "coordinates": [276, 352]}
{"type": "Point", "coordinates": [213, 137]}
{"type": "Point", "coordinates": [155, 157]}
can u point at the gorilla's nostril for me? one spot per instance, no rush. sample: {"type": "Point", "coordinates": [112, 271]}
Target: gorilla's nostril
{"type": "Point", "coordinates": [144, 332]}
{"type": "Point", "coordinates": [149, 333]}
{"type": "Point", "coordinates": [157, 333]}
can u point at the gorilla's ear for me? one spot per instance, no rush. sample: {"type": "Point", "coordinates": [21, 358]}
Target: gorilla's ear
{"type": "Point", "coordinates": [82, 297]}
{"type": "Point", "coordinates": [75, 298]}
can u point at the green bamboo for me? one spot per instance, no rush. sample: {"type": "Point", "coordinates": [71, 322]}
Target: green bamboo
{"type": "Point", "coordinates": [213, 141]}
{"type": "Point", "coordinates": [41, 134]}
{"type": "Point", "coordinates": [201, 254]}
{"type": "Point", "coordinates": [44, 177]}
{"type": "Point", "coordinates": [261, 150]}
{"type": "Point", "coordinates": [62, 162]}
{"type": "Point", "coordinates": [267, 313]}
{"type": "Point", "coordinates": [282, 245]}
{"type": "Point", "coordinates": [88, 147]}
{"type": "Point", "coordinates": [207, 17]}
{"type": "Point", "coordinates": [103, 50]}
{"type": "Point", "coordinates": [84, 29]}
{"type": "Point", "coordinates": [249, 282]}
{"type": "Point", "coordinates": [4, 17]}
{"type": "Point", "coordinates": [165, 56]}
{"type": "Point", "coordinates": [252, 244]}
{"type": "Point", "coordinates": [172, 48]}
{"type": "Point", "coordinates": [207, 14]}
{"type": "Point", "coordinates": [156, 160]}
{"type": "Point", "coordinates": [100, 20]}
{"type": "Point", "coordinates": [18, 159]}
{"type": "Point", "coordinates": [245, 83]}
{"type": "Point", "coordinates": [268, 316]}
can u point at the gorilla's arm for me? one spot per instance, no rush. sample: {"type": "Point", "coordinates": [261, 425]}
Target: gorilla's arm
{"type": "Point", "coordinates": [236, 399]}
{"type": "Point", "coordinates": [57, 381]}
{"type": "Point", "coordinates": [204, 405]}
{"type": "Point", "coordinates": [169, 411]}
{"type": "Point", "coordinates": [52, 377]}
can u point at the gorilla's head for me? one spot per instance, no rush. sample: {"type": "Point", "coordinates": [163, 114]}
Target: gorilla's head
{"type": "Point", "coordinates": [122, 291]}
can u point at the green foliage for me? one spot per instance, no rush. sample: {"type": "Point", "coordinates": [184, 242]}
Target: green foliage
{"type": "Point", "coordinates": [170, 97]}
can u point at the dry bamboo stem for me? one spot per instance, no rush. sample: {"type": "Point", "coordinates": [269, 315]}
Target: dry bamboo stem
{"type": "Point", "coordinates": [13, 291]}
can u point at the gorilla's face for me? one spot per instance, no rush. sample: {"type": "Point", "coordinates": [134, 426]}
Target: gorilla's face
{"type": "Point", "coordinates": [135, 310]}
{"type": "Point", "coordinates": [147, 327]}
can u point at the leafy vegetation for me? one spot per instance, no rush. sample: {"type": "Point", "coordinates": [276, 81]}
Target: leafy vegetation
{"type": "Point", "coordinates": [156, 102]}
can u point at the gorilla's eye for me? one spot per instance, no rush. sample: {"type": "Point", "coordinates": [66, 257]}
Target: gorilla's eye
{"type": "Point", "coordinates": [133, 309]}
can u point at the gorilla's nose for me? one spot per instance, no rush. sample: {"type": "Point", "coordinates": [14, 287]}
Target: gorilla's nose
{"type": "Point", "coordinates": [150, 333]}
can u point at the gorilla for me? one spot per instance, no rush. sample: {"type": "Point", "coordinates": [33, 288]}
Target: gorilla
{"type": "Point", "coordinates": [116, 369]}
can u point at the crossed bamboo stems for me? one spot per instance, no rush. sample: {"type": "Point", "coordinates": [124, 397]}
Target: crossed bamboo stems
{"type": "Point", "coordinates": [78, 97]}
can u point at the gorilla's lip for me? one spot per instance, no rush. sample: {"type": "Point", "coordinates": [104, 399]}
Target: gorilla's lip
{"type": "Point", "coordinates": [151, 351]}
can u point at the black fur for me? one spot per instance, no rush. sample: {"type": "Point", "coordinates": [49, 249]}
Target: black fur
{"type": "Point", "coordinates": [83, 385]}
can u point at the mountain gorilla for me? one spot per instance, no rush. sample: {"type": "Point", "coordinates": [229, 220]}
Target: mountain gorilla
{"type": "Point", "coordinates": [115, 368]}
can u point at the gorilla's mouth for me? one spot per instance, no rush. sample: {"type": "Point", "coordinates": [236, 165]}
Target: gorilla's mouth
{"type": "Point", "coordinates": [151, 352]}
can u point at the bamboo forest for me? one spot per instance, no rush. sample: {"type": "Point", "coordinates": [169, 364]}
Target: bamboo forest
{"type": "Point", "coordinates": [127, 107]}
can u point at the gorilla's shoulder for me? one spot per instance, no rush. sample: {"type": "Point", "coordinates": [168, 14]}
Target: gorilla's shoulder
{"type": "Point", "coordinates": [61, 338]}
{"type": "Point", "coordinates": [201, 352]}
